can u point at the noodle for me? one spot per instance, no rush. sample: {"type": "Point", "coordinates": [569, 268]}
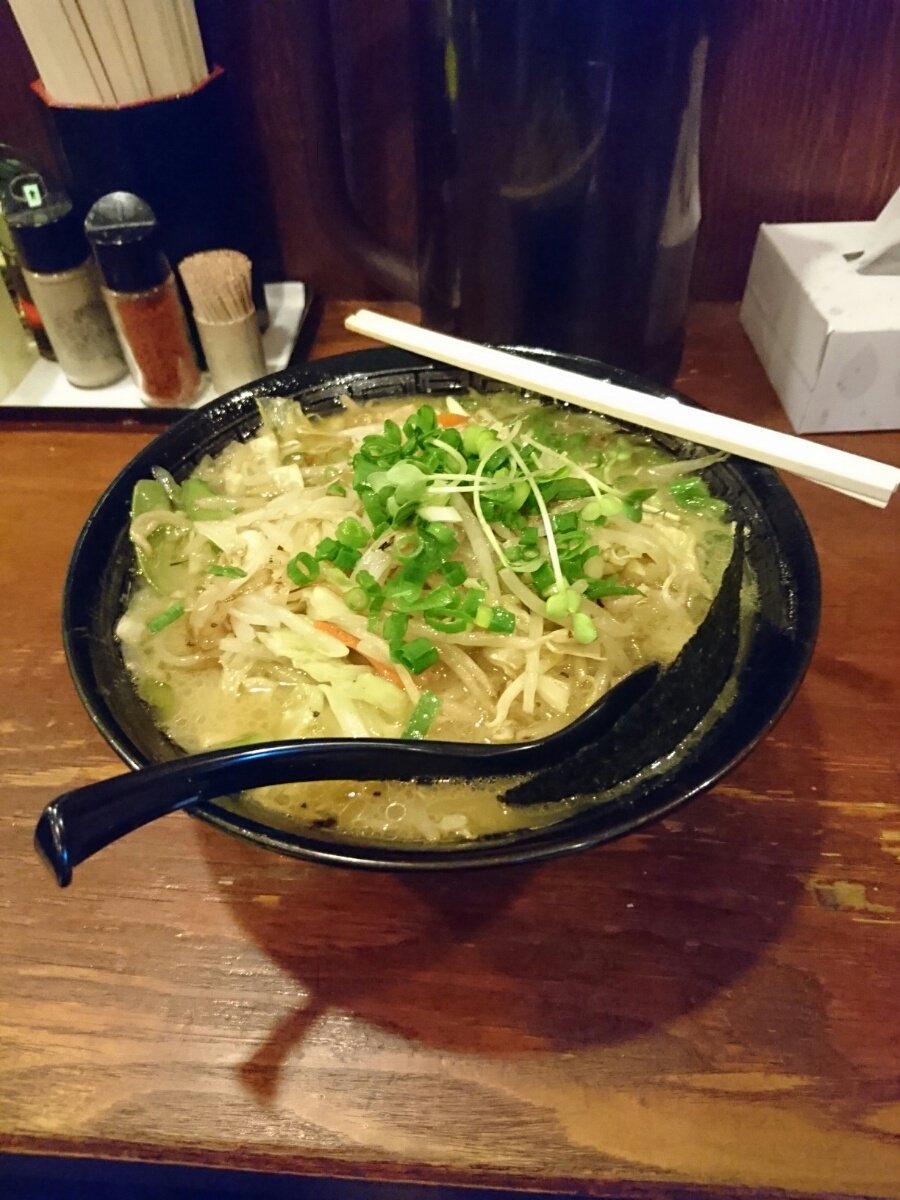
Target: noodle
{"type": "Point", "coordinates": [513, 561]}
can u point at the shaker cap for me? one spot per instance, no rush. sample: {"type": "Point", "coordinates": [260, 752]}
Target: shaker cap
{"type": "Point", "coordinates": [124, 234]}
{"type": "Point", "coordinates": [45, 228]}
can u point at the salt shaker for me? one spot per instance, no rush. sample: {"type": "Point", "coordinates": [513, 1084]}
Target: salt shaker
{"type": "Point", "coordinates": [62, 279]}
{"type": "Point", "coordinates": [142, 296]}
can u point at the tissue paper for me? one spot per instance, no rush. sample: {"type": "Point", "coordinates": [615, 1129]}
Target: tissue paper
{"type": "Point", "coordinates": [822, 308]}
{"type": "Point", "coordinates": [881, 244]}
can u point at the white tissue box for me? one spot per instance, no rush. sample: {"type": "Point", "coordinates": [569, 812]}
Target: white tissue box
{"type": "Point", "coordinates": [828, 336]}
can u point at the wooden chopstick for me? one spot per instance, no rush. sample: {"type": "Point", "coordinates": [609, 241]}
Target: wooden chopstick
{"type": "Point", "coordinates": [192, 40]}
{"type": "Point", "coordinates": [57, 55]}
{"type": "Point", "coordinates": [152, 25]}
{"type": "Point", "coordinates": [83, 33]}
{"type": "Point", "coordinates": [861, 478]}
{"type": "Point", "coordinates": [112, 52]}
{"type": "Point", "coordinates": [132, 63]}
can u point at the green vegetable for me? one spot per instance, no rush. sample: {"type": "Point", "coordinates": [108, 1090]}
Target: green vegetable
{"type": "Point", "coordinates": [356, 600]}
{"type": "Point", "coordinates": [350, 533]}
{"type": "Point", "coordinates": [193, 491]}
{"type": "Point", "coordinates": [562, 604]}
{"type": "Point", "coordinates": [303, 569]}
{"type": "Point", "coordinates": [583, 628]}
{"type": "Point", "coordinates": [454, 572]}
{"type": "Point", "coordinates": [691, 492]}
{"type": "Point", "coordinates": [633, 503]}
{"type": "Point", "coordinates": [343, 556]}
{"type": "Point", "coordinates": [148, 495]}
{"type": "Point", "coordinates": [422, 716]}
{"type": "Point", "coordinates": [417, 656]}
{"type": "Point", "coordinates": [161, 620]}
{"type": "Point", "coordinates": [448, 622]}
{"type": "Point", "coordinates": [395, 628]}
{"type": "Point", "coordinates": [609, 586]}
{"type": "Point", "coordinates": [165, 567]}
{"type": "Point", "coordinates": [495, 620]}
{"type": "Point", "coordinates": [225, 571]}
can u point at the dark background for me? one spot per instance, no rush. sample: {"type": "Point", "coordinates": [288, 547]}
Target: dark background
{"type": "Point", "coordinates": [801, 123]}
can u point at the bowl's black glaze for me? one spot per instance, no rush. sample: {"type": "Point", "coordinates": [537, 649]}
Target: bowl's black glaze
{"type": "Point", "coordinates": [779, 549]}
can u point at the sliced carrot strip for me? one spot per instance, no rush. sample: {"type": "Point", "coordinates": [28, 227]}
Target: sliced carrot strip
{"type": "Point", "coordinates": [350, 639]}
{"type": "Point", "coordinates": [385, 671]}
{"type": "Point", "coordinates": [342, 635]}
{"type": "Point", "coordinates": [447, 420]}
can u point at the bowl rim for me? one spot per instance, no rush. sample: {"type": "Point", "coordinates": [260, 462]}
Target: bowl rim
{"type": "Point", "coordinates": [590, 826]}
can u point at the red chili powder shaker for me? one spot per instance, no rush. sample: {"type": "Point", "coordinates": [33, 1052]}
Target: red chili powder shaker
{"type": "Point", "coordinates": [140, 290]}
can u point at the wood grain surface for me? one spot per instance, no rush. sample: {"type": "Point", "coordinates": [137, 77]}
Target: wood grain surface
{"type": "Point", "coordinates": [712, 1004]}
{"type": "Point", "coordinates": [801, 122]}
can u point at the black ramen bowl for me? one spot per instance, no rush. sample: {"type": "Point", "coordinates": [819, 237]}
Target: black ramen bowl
{"type": "Point", "coordinates": [764, 673]}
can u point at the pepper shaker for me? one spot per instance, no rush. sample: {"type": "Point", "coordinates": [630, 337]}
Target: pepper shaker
{"type": "Point", "coordinates": [142, 295]}
{"type": "Point", "coordinates": [63, 282]}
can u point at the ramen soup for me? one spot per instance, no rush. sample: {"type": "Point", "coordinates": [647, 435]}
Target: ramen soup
{"type": "Point", "coordinates": [467, 569]}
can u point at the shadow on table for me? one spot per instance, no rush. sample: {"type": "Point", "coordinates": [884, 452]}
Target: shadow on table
{"type": "Point", "coordinates": [596, 948]}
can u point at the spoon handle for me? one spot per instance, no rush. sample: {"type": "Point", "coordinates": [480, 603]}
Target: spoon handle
{"type": "Point", "coordinates": [80, 822]}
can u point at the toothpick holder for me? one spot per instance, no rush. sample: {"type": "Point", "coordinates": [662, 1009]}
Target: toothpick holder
{"type": "Point", "coordinates": [234, 352]}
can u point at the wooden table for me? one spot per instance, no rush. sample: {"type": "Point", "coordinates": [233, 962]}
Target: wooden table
{"type": "Point", "coordinates": [711, 1005]}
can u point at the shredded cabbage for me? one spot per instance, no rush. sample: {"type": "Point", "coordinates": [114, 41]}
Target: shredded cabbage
{"type": "Point", "coordinates": [526, 636]}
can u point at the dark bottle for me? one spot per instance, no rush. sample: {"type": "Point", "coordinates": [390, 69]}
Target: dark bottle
{"type": "Point", "coordinates": [557, 172]}
{"type": "Point", "coordinates": [13, 167]}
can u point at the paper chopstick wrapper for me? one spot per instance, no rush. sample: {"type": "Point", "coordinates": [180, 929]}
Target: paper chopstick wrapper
{"type": "Point", "coordinates": [861, 478]}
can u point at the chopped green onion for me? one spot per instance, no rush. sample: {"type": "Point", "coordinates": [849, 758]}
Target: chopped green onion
{"type": "Point", "coordinates": [495, 620]}
{"type": "Point", "coordinates": [335, 489]}
{"type": "Point", "coordinates": [442, 534]}
{"type": "Point", "coordinates": [443, 596]}
{"type": "Point", "coordinates": [564, 522]}
{"type": "Point", "coordinates": [226, 572]}
{"type": "Point", "coordinates": [472, 601]}
{"type": "Point", "coordinates": [454, 572]}
{"type": "Point", "coordinates": [350, 533]}
{"type": "Point", "coordinates": [408, 546]}
{"type": "Point", "coordinates": [402, 593]}
{"type": "Point", "coordinates": [345, 559]}
{"type": "Point", "coordinates": [303, 569]}
{"type": "Point", "coordinates": [417, 656]}
{"type": "Point", "coordinates": [448, 622]}
{"type": "Point", "coordinates": [161, 620]}
{"type": "Point", "coordinates": [422, 716]}
{"type": "Point", "coordinates": [543, 578]}
{"type": "Point", "coordinates": [356, 600]}
{"type": "Point", "coordinates": [367, 582]}
{"type": "Point", "coordinates": [395, 627]}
